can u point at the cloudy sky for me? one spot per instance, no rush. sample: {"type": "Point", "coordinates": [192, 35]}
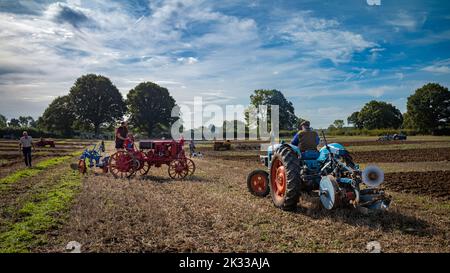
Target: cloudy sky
{"type": "Point", "coordinates": [327, 57]}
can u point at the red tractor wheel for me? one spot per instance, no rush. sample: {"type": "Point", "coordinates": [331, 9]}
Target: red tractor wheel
{"type": "Point", "coordinates": [190, 165]}
{"type": "Point", "coordinates": [123, 164]}
{"type": "Point", "coordinates": [82, 166]}
{"type": "Point", "coordinates": [285, 182]}
{"type": "Point", "coordinates": [144, 168]}
{"type": "Point", "coordinates": [258, 183]}
{"type": "Point", "coordinates": [178, 169]}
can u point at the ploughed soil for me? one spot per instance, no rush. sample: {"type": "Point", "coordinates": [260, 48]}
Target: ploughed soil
{"type": "Point", "coordinates": [407, 155]}
{"type": "Point", "coordinates": [392, 142]}
{"type": "Point", "coordinates": [435, 184]}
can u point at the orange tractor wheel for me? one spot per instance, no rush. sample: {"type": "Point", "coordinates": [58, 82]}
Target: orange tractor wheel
{"type": "Point", "coordinates": [258, 183]}
{"type": "Point", "coordinates": [285, 182]}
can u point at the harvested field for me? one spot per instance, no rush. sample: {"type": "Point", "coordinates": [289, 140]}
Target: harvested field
{"type": "Point", "coordinates": [213, 211]}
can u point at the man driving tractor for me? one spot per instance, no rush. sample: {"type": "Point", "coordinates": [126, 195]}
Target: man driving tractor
{"type": "Point", "coordinates": [306, 139]}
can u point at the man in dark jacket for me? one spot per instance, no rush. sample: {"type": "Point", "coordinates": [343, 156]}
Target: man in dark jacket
{"type": "Point", "coordinates": [306, 139]}
{"type": "Point", "coordinates": [121, 135]}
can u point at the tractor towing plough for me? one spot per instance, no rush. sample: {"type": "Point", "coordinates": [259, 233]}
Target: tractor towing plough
{"type": "Point", "coordinates": [329, 174]}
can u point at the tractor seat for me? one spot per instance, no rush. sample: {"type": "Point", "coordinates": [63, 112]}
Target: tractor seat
{"type": "Point", "coordinates": [310, 155]}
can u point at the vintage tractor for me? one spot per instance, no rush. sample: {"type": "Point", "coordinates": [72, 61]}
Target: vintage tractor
{"type": "Point", "coordinates": [156, 153]}
{"type": "Point", "coordinates": [45, 142]}
{"type": "Point", "coordinates": [95, 158]}
{"type": "Point", "coordinates": [329, 174]}
{"type": "Point", "coordinates": [222, 145]}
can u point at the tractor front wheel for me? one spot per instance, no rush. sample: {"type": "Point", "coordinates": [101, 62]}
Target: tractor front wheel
{"type": "Point", "coordinates": [285, 182]}
{"type": "Point", "coordinates": [258, 183]}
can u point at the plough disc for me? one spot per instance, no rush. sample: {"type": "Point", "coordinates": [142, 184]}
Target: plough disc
{"type": "Point", "coordinates": [328, 191]}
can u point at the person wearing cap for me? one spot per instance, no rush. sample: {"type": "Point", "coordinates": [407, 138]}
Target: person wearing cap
{"type": "Point", "coordinates": [25, 144]}
{"type": "Point", "coordinates": [306, 139]}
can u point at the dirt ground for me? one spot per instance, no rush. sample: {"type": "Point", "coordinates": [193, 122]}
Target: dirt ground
{"type": "Point", "coordinates": [213, 212]}
{"type": "Point", "coordinates": [435, 183]}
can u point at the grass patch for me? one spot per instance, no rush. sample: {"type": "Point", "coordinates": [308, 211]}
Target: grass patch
{"type": "Point", "coordinates": [38, 168]}
{"type": "Point", "coordinates": [44, 213]}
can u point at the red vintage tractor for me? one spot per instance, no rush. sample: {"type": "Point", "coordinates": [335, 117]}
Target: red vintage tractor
{"type": "Point", "coordinates": [156, 153]}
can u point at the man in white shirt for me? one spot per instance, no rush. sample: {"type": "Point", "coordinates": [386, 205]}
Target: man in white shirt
{"type": "Point", "coordinates": [25, 144]}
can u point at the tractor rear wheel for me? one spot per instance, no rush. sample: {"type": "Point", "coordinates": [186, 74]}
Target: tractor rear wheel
{"type": "Point", "coordinates": [258, 183]}
{"type": "Point", "coordinates": [285, 182]}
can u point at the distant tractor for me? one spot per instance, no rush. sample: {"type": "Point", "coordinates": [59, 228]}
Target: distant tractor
{"type": "Point", "coordinates": [222, 145]}
{"type": "Point", "coordinates": [392, 137]}
{"type": "Point", "coordinates": [329, 173]}
{"type": "Point", "coordinates": [45, 142]}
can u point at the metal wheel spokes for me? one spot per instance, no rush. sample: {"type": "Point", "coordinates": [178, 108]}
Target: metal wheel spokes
{"type": "Point", "coordinates": [144, 168]}
{"type": "Point", "coordinates": [178, 169]}
{"type": "Point", "coordinates": [123, 165]}
{"type": "Point", "coordinates": [190, 165]}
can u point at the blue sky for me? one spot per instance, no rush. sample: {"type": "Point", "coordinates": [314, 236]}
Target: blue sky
{"type": "Point", "coordinates": [328, 57]}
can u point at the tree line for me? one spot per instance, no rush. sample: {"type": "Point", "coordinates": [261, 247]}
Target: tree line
{"type": "Point", "coordinates": [94, 104]}
{"type": "Point", "coordinates": [428, 112]}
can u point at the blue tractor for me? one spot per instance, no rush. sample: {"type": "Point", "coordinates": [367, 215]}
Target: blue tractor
{"type": "Point", "coordinates": [329, 173]}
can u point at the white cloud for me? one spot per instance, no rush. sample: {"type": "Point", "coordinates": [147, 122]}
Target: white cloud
{"type": "Point", "coordinates": [439, 67]}
{"type": "Point", "coordinates": [404, 20]}
{"type": "Point", "coordinates": [321, 38]}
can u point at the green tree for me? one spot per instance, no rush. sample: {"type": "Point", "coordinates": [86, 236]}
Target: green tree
{"type": "Point", "coordinates": [26, 121]}
{"type": "Point", "coordinates": [339, 123]}
{"type": "Point", "coordinates": [59, 116]}
{"type": "Point", "coordinates": [287, 118]}
{"type": "Point", "coordinates": [150, 108]}
{"type": "Point", "coordinates": [14, 123]}
{"type": "Point", "coordinates": [354, 120]}
{"type": "Point", "coordinates": [96, 101]}
{"type": "Point", "coordinates": [380, 115]}
{"type": "Point", "coordinates": [3, 122]}
{"type": "Point", "coordinates": [428, 109]}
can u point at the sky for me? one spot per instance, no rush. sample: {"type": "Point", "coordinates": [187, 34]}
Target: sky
{"type": "Point", "coordinates": [328, 57]}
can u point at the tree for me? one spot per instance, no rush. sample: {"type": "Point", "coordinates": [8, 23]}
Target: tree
{"type": "Point", "coordinates": [59, 116]}
{"type": "Point", "coordinates": [428, 109]}
{"type": "Point", "coordinates": [287, 118]}
{"type": "Point", "coordinates": [26, 121]}
{"type": "Point", "coordinates": [353, 119]}
{"type": "Point", "coordinates": [339, 123]}
{"type": "Point", "coordinates": [3, 122]}
{"type": "Point", "coordinates": [150, 107]}
{"type": "Point", "coordinates": [14, 123]}
{"type": "Point", "coordinates": [380, 115]}
{"type": "Point", "coordinates": [96, 101]}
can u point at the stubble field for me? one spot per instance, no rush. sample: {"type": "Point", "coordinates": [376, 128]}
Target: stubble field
{"type": "Point", "coordinates": [44, 208]}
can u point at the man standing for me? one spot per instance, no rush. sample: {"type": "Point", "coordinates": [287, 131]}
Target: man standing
{"type": "Point", "coordinates": [306, 139]}
{"type": "Point", "coordinates": [25, 144]}
{"type": "Point", "coordinates": [121, 135]}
